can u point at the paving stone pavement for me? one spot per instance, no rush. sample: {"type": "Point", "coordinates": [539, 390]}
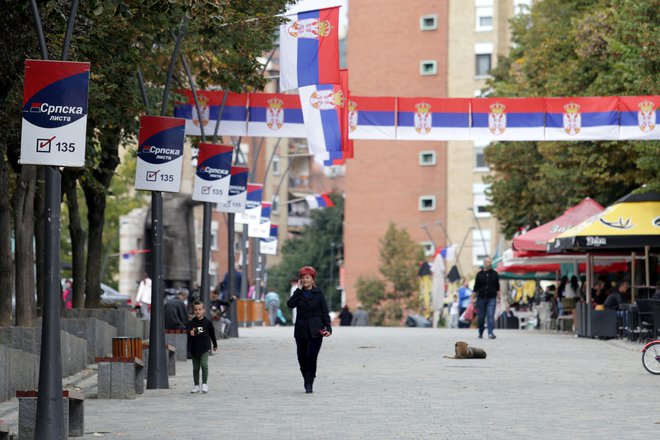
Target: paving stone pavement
{"type": "Point", "coordinates": [393, 383]}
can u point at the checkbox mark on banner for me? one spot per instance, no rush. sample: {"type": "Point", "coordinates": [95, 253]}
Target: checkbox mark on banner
{"type": "Point", "coordinates": [152, 175]}
{"type": "Point", "coordinates": [206, 190]}
{"type": "Point", "coordinates": [43, 145]}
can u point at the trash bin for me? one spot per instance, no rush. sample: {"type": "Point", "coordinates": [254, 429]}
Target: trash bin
{"type": "Point", "coordinates": [127, 347]}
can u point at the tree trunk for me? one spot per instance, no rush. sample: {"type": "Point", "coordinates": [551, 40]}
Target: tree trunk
{"type": "Point", "coordinates": [40, 235]}
{"type": "Point", "coordinates": [77, 234]}
{"type": "Point", "coordinates": [23, 205]}
{"type": "Point", "coordinates": [6, 263]}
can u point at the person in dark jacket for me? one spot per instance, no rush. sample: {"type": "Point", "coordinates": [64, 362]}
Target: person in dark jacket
{"type": "Point", "coordinates": [312, 323]}
{"type": "Point", "coordinates": [345, 316]}
{"type": "Point", "coordinates": [202, 335]}
{"type": "Point", "coordinates": [487, 288]}
{"type": "Point", "coordinates": [175, 312]}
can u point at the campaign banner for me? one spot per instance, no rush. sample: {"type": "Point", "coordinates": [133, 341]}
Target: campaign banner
{"type": "Point", "coordinates": [213, 173]}
{"type": "Point", "coordinates": [321, 105]}
{"type": "Point", "coordinates": [433, 119]}
{"type": "Point", "coordinates": [639, 116]}
{"type": "Point", "coordinates": [261, 229]}
{"type": "Point", "coordinates": [160, 154]}
{"type": "Point", "coordinates": [371, 118]}
{"type": "Point", "coordinates": [252, 213]}
{"type": "Point", "coordinates": [275, 115]}
{"type": "Point", "coordinates": [592, 118]}
{"type": "Point", "coordinates": [508, 119]}
{"type": "Point", "coordinates": [268, 246]}
{"type": "Point", "coordinates": [234, 114]}
{"type": "Point", "coordinates": [237, 197]}
{"type": "Point", "coordinates": [54, 125]}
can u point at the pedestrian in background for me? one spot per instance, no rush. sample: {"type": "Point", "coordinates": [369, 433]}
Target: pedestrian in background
{"type": "Point", "coordinates": [453, 313]}
{"type": "Point", "coordinates": [272, 301]}
{"type": "Point", "coordinates": [175, 311]}
{"type": "Point", "coordinates": [67, 294]}
{"type": "Point", "coordinates": [464, 299]}
{"type": "Point", "coordinates": [360, 317]}
{"type": "Point", "coordinates": [312, 323]}
{"type": "Point", "coordinates": [345, 316]}
{"type": "Point", "coordinates": [143, 298]}
{"type": "Point", "coordinates": [487, 288]}
{"type": "Point", "coordinates": [202, 336]}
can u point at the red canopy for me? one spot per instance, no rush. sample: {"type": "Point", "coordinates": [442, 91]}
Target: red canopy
{"type": "Point", "coordinates": [536, 239]}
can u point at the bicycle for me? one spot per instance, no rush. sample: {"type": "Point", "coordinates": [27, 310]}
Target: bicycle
{"type": "Point", "coordinates": [651, 357]}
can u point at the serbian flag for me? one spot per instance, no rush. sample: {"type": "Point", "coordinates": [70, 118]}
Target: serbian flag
{"type": "Point", "coordinates": [252, 213]}
{"type": "Point", "coordinates": [638, 117]}
{"type": "Point", "coordinates": [346, 143]}
{"type": "Point", "coordinates": [319, 201]}
{"type": "Point", "coordinates": [321, 106]}
{"type": "Point", "coordinates": [330, 158]}
{"type": "Point", "coordinates": [433, 119]}
{"type": "Point", "coordinates": [309, 49]}
{"type": "Point", "coordinates": [275, 115]}
{"type": "Point", "coordinates": [508, 119]}
{"type": "Point", "coordinates": [371, 118]}
{"type": "Point", "coordinates": [268, 246]}
{"type": "Point", "coordinates": [593, 118]}
{"type": "Point", "coordinates": [234, 115]}
{"type": "Point", "coordinates": [262, 228]}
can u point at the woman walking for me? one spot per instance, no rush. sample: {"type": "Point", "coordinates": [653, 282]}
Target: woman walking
{"type": "Point", "coordinates": [312, 323]}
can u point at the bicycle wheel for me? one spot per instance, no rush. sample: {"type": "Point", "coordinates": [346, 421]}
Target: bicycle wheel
{"type": "Point", "coordinates": [651, 358]}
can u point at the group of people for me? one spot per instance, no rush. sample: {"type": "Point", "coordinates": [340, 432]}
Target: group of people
{"type": "Point", "coordinates": [358, 319]}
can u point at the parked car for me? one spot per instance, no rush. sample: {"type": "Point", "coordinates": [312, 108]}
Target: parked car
{"type": "Point", "coordinates": [110, 297]}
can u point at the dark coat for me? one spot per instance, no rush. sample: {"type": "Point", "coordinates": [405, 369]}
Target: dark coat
{"type": "Point", "coordinates": [176, 315]}
{"type": "Point", "coordinates": [312, 315]}
{"type": "Point", "coordinates": [487, 284]}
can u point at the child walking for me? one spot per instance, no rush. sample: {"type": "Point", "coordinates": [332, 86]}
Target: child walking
{"type": "Point", "coordinates": [202, 334]}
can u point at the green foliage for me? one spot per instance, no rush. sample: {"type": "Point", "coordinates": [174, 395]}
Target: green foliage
{"type": "Point", "coordinates": [319, 245]}
{"type": "Point", "coordinates": [574, 48]}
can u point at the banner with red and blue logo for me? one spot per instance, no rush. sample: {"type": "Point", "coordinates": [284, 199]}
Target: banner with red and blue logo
{"type": "Point", "coordinates": [372, 118]}
{"type": "Point", "coordinates": [234, 114]}
{"type": "Point", "coordinates": [309, 49]}
{"type": "Point", "coordinates": [593, 118]}
{"type": "Point", "coordinates": [268, 246]}
{"type": "Point", "coordinates": [54, 113]}
{"type": "Point", "coordinates": [261, 229]}
{"type": "Point", "coordinates": [508, 119]}
{"type": "Point", "coordinates": [252, 212]}
{"type": "Point", "coordinates": [213, 173]}
{"type": "Point", "coordinates": [433, 119]}
{"type": "Point", "coordinates": [639, 116]}
{"type": "Point", "coordinates": [275, 115]}
{"type": "Point", "coordinates": [237, 195]}
{"type": "Point", "coordinates": [160, 154]}
{"type": "Point", "coordinates": [321, 105]}
{"type": "Point", "coordinates": [319, 201]}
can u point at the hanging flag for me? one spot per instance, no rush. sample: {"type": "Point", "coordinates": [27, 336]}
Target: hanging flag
{"type": "Point", "coordinates": [639, 116]}
{"type": "Point", "coordinates": [252, 212]}
{"type": "Point", "coordinates": [160, 154]}
{"type": "Point", "coordinates": [508, 119]}
{"type": "Point", "coordinates": [433, 119]}
{"type": "Point", "coordinates": [321, 106]}
{"type": "Point", "coordinates": [234, 115]}
{"type": "Point", "coordinates": [309, 49]}
{"type": "Point", "coordinates": [371, 118]}
{"type": "Point", "coordinates": [319, 201]}
{"type": "Point", "coordinates": [237, 197]}
{"type": "Point", "coordinates": [213, 174]}
{"type": "Point", "coordinates": [275, 115]}
{"type": "Point", "coordinates": [594, 118]}
{"type": "Point", "coordinates": [268, 246]}
{"type": "Point", "coordinates": [449, 252]}
{"type": "Point", "coordinates": [346, 143]}
{"type": "Point", "coordinates": [262, 228]}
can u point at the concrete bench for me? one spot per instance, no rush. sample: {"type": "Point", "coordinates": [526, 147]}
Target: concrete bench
{"type": "Point", "coordinates": [120, 378]}
{"type": "Point", "coordinates": [74, 413]}
{"type": "Point", "coordinates": [179, 339]}
{"type": "Point", "coordinates": [171, 358]}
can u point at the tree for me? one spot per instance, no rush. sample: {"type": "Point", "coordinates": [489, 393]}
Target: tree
{"type": "Point", "coordinates": [318, 246]}
{"type": "Point", "coordinates": [574, 48]}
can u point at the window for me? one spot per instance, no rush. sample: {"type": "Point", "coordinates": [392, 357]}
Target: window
{"type": "Point", "coordinates": [479, 159]}
{"type": "Point", "coordinates": [427, 158]}
{"type": "Point", "coordinates": [483, 15]}
{"type": "Point", "coordinates": [480, 203]}
{"type": "Point", "coordinates": [483, 53]}
{"type": "Point", "coordinates": [275, 165]}
{"type": "Point", "coordinates": [480, 246]}
{"type": "Point", "coordinates": [427, 203]}
{"type": "Point", "coordinates": [428, 22]}
{"type": "Point", "coordinates": [214, 236]}
{"type": "Point", "coordinates": [428, 67]}
{"type": "Point", "coordinates": [428, 248]}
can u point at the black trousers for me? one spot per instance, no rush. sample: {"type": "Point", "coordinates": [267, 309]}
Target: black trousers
{"type": "Point", "coordinates": [308, 353]}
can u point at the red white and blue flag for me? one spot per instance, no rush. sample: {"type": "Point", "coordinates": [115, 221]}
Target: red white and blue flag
{"type": "Point", "coordinates": [321, 106]}
{"type": "Point", "coordinates": [237, 196]}
{"type": "Point", "coordinates": [261, 229]}
{"type": "Point", "coordinates": [371, 118]}
{"type": "Point", "coordinates": [309, 49]}
{"type": "Point", "coordinates": [268, 246]}
{"type": "Point", "coordinates": [593, 118]}
{"type": "Point", "coordinates": [346, 143]}
{"type": "Point", "coordinates": [433, 119]}
{"type": "Point", "coordinates": [508, 119]}
{"type": "Point", "coordinates": [275, 115]}
{"type": "Point", "coordinates": [639, 116]}
{"type": "Point", "coordinates": [234, 115]}
{"type": "Point", "coordinates": [252, 212]}
{"type": "Point", "coordinates": [319, 201]}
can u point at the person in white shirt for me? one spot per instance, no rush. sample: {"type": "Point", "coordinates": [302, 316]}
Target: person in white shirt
{"type": "Point", "coordinates": [144, 295]}
{"type": "Point", "coordinates": [453, 313]}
